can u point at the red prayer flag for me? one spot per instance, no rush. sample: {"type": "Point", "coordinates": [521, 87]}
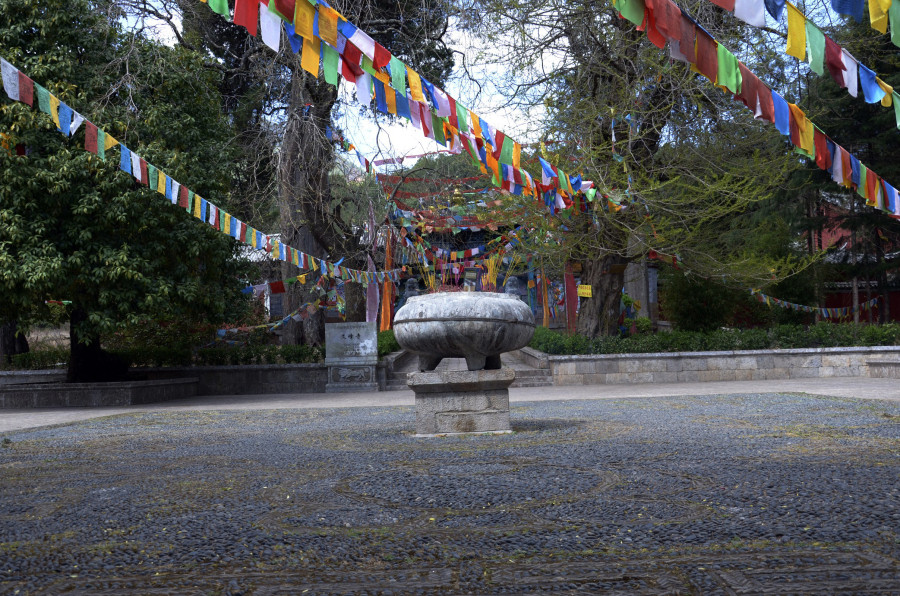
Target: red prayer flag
{"type": "Point", "coordinates": [872, 182]}
{"type": "Point", "coordinates": [454, 120]}
{"type": "Point", "coordinates": [285, 9]}
{"type": "Point", "coordinates": [687, 36]}
{"type": "Point", "coordinates": [242, 233]}
{"type": "Point", "coordinates": [725, 4]}
{"type": "Point", "coordinates": [246, 13]}
{"type": "Point", "coordinates": [753, 92]}
{"type": "Point", "coordinates": [834, 61]}
{"type": "Point", "coordinates": [145, 176]}
{"type": "Point", "coordinates": [500, 137]}
{"type": "Point", "coordinates": [90, 137]}
{"type": "Point", "coordinates": [846, 166]}
{"type": "Point", "coordinates": [650, 25]}
{"type": "Point", "coordinates": [823, 156]}
{"type": "Point", "coordinates": [183, 196]}
{"type": "Point", "coordinates": [382, 57]}
{"type": "Point", "coordinates": [707, 55]}
{"type": "Point", "coordinates": [352, 55]}
{"type": "Point", "coordinates": [276, 287]}
{"type": "Point", "coordinates": [26, 89]}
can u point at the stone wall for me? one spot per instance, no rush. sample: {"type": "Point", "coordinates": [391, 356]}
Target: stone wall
{"type": "Point", "coordinates": [686, 367]}
{"type": "Point", "coordinates": [248, 379]}
{"type": "Point", "coordinates": [129, 393]}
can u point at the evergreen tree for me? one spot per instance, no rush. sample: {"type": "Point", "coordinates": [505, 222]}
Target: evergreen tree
{"type": "Point", "coordinates": [74, 228]}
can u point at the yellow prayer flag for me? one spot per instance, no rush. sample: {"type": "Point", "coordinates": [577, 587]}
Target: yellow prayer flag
{"type": "Point", "coordinates": [197, 204]}
{"type": "Point", "coordinates": [226, 222]}
{"type": "Point", "coordinates": [796, 39]}
{"type": "Point", "coordinates": [109, 142]}
{"type": "Point", "coordinates": [887, 101]}
{"type": "Point", "coordinates": [517, 155]}
{"type": "Point", "coordinates": [161, 183]}
{"type": "Point", "coordinates": [328, 23]}
{"type": "Point", "coordinates": [313, 262]}
{"type": "Point", "coordinates": [252, 233]}
{"type": "Point", "coordinates": [54, 110]}
{"type": "Point", "coordinates": [415, 84]}
{"type": "Point", "coordinates": [878, 14]}
{"type": "Point", "coordinates": [391, 98]}
{"type": "Point", "coordinates": [585, 291]}
{"type": "Point", "coordinates": [310, 59]}
{"type": "Point", "coordinates": [805, 128]}
{"type": "Point", "coordinates": [304, 16]}
{"type": "Point", "coordinates": [476, 124]}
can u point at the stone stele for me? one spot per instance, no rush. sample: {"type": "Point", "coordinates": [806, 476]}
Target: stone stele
{"type": "Point", "coordinates": [477, 326]}
{"type": "Point", "coordinates": [351, 353]}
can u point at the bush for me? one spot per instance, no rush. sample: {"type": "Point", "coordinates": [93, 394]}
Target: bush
{"type": "Point", "coordinates": [387, 343]}
{"type": "Point", "coordinates": [41, 359]}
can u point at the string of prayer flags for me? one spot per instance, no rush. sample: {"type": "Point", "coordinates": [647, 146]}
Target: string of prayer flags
{"type": "Point", "coordinates": [828, 313]}
{"type": "Point", "coordinates": [97, 141]}
{"type": "Point", "coordinates": [807, 42]}
{"type": "Point", "coordinates": [791, 121]}
{"type": "Point", "coordinates": [339, 47]}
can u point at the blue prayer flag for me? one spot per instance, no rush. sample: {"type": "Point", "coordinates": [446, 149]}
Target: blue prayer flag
{"type": "Point", "coordinates": [782, 114]}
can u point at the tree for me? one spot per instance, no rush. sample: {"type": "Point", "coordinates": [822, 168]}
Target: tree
{"type": "Point", "coordinates": [675, 160]}
{"type": "Point", "coordinates": [75, 228]}
{"type": "Point", "coordinates": [296, 110]}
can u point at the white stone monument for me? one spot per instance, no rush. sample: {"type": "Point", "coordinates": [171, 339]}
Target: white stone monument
{"type": "Point", "coordinates": [351, 353]}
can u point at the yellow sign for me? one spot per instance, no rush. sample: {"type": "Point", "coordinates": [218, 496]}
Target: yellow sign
{"type": "Point", "coordinates": [585, 292]}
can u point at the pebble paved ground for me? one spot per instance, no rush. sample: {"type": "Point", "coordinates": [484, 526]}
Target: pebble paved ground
{"type": "Point", "coordinates": [737, 494]}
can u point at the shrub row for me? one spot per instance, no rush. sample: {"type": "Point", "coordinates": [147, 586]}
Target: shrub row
{"type": "Point", "coordinates": [821, 335]}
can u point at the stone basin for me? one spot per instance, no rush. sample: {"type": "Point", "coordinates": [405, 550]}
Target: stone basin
{"type": "Point", "coordinates": [477, 326]}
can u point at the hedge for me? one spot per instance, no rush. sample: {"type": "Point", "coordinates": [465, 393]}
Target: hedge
{"type": "Point", "coordinates": [821, 335]}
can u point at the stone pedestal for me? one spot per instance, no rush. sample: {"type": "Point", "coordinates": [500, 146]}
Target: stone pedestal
{"type": "Point", "coordinates": [464, 401]}
{"type": "Point", "coordinates": [351, 353]}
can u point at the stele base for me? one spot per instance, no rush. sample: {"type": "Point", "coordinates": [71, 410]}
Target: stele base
{"type": "Point", "coordinates": [462, 402]}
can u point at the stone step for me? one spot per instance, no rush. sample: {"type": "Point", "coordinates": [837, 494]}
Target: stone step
{"type": "Point", "coordinates": [524, 378]}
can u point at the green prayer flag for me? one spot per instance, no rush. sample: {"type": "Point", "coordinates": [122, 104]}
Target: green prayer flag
{"type": "Point", "coordinates": [330, 64]}
{"type": "Point", "coordinates": [590, 194]}
{"type": "Point", "coordinates": [729, 74]}
{"type": "Point", "coordinates": [221, 7]}
{"type": "Point", "coordinates": [633, 10]}
{"type": "Point", "coordinates": [367, 65]}
{"type": "Point", "coordinates": [398, 76]}
{"type": "Point", "coordinates": [153, 176]}
{"type": "Point", "coordinates": [894, 15]}
{"type": "Point", "coordinates": [438, 124]}
{"type": "Point", "coordinates": [462, 116]}
{"type": "Point", "coordinates": [506, 151]}
{"type": "Point", "coordinates": [101, 143]}
{"type": "Point", "coordinates": [190, 205]}
{"type": "Point", "coordinates": [43, 98]}
{"type": "Point", "coordinates": [861, 189]}
{"type": "Point", "coordinates": [815, 41]}
{"type": "Point", "coordinates": [897, 108]}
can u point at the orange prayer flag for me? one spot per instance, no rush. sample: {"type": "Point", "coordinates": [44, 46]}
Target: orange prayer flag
{"type": "Point", "coordinates": [310, 59]}
{"type": "Point", "coordinates": [328, 22]}
{"type": "Point", "coordinates": [304, 17]}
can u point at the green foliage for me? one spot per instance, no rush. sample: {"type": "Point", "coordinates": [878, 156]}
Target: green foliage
{"type": "Point", "coordinates": [387, 343]}
{"type": "Point", "coordinates": [42, 359]}
{"type": "Point", "coordinates": [821, 335]}
{"type": "Point", "coordinates": [73, 226]}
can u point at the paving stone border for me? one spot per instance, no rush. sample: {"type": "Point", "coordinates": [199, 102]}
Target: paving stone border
{"type": "Point", "coordinates": [693, 367]}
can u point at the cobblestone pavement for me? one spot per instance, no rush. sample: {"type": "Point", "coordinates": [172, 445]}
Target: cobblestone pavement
{"type": "Point", "coordinates": [738, 494]}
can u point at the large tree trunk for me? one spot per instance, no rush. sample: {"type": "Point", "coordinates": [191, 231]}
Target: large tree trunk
{"type": "Point", "coordinates": [88, 363]}
{"type": "Point", "coordinates": [11, 342]}
{"type": "Point", "coordinates": [599, 315]}
{"type": "Point", "coordinates": [305, 160]}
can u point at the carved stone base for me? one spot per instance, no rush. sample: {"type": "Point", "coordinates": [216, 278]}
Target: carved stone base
{"type": "Point", "coordinates": [462, 401]}
{"type": "Point", "coordinates": [351, 379]}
